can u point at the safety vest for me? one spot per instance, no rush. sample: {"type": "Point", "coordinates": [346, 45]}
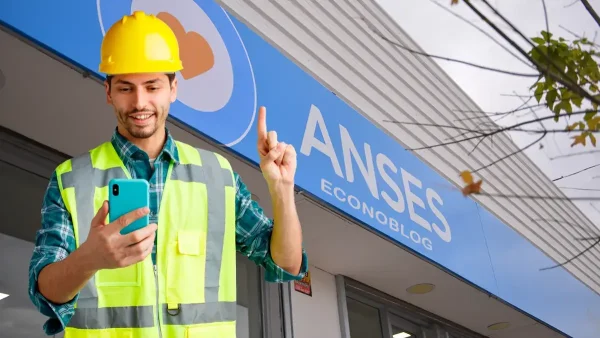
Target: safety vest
{"type": "Point", "coordinates": [191, 292]}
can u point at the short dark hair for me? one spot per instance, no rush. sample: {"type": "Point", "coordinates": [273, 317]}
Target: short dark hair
{"type": "Point", "coordinates": [109, 78]}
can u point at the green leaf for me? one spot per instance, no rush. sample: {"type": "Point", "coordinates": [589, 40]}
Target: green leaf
{"type": "Point", "coordinates": [557, 108]}
{"type": "Point", "coordinates": [593, 88]}
{"type": "Point", "coordinates": [581, 126]}
{"type": "Point", "coordinates": [589, 115]}
{"type": "Point", "coordinates": [546, 35]}
{"type": "Point", "coordinates": [572, 74]}
{"type": "Point", "coordinates": [539, 92]}
{"type": "Point", "coordinates": [565, 93]}
{"type": "Point", "coordinates": [559, 61]}
{"type": "Point", "coordinates": [543, 50]}
{"type": "Point", "coordinates": [535, 55]}
{"type": "Point", "coordinates": [568, 107]}
{"type": "Point", "coordinates": [550, 98]}
{"type": "Point", "coordinates": [539, 41]}
{"type": "Point", "coordinates": [577, 100]}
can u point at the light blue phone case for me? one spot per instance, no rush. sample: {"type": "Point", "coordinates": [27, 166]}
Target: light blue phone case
{"type": "Point", "coordinates": [125, 195]}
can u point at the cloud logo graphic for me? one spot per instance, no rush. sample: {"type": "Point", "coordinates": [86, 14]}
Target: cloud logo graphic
{"type": "Point", "coordinates": [217, 91]}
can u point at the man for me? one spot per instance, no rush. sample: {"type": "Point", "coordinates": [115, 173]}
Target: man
{"type": "Point", "coordinates": [176, 276]}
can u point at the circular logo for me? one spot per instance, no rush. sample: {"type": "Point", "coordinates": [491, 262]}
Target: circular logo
{"type": "Point", "coordinates": [217, 91]}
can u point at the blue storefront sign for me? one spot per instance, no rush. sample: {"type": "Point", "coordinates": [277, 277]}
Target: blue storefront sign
{"type": "Point", "coordinates": [343, 159]}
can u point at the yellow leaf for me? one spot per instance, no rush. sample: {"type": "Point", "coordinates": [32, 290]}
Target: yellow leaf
{"type": "Point", "coordinates": [454, 2]}
{"type": "Point", "coordinates": [573, 126]}
{"type": "Point", "coordinates": [579, 140]}
{"type": "Point", "coordinates": [594, 123]}
{"type": "Point", "coordinates": [473, 188]}
{"type": "Point", "coordinates": [467, 177]}
{"type": "Point", "coordinates": [593, 139]}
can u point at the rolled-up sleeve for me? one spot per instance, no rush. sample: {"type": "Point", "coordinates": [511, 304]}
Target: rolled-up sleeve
{"type": "Point", "coordinates": [54, 241]}
{"type": "Point", "coordinates": [253, 236]}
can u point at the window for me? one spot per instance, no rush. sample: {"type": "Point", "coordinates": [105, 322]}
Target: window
{"type": "Point", "coordinates": [373, 314]}
{"type": "Point", "coordinates": [364, 320]}
{"type": "Point", "coordinates": [24, 175]}
{"type": "Point", "coordinates": [401, 328]}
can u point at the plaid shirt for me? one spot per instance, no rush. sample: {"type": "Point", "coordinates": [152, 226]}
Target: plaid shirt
{"type": "Point", "coordinates": [55, 240]}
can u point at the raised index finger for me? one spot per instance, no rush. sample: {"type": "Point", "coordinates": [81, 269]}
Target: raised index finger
{"type": "Point", "coordinates": [262, 123]}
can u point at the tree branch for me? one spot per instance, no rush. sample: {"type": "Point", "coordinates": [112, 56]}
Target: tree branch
{"type": "Point", "coordinates": [575, 173]}
{"type": "Point", "coordinates": [563, 79]}
{"type": "Point", "coordinates": [574, 257]}
{"type": "Point", "coordinates": [485, 131]}
{"type": "Point", "coordinates": [483, 32]}
{"type": "Point", "coordinates": [582, 189]}
{"type": "Point", "coordinates": [591, 10]}
{"type": "Point", "coordinates": [513, 153]}
{"type": "Point", "coordinates": [540, 197]}
{"type": "Point", "coordinates": [575, 34]}
{"type": "Point", "coordinates": [547, 28]}
{"type": "Point", "coordinates": [575, 154]}
{"type": "Point", "coordinates": [588, 231]}
{"type": "Point", "coordinates": [397, 44]}
{"type": "Point", "coordinates": [514, 95]}
{"type": "Point", "coordinates": [546, 16]}
{"type": "Point", "coordinates": [488, 114]}
{"type": "Point", "coordinates": [575, 225]}
{"type": "Point", "coordinates": [476, 146]}
{"type": "Point", "coordinates": [588, 238]}
{"type": "Point", "coordinates": [519, 108]}
{"type": "Point", "coordinates": [492, 132]}
{"type": "Point", "coordinates": [572, 3]}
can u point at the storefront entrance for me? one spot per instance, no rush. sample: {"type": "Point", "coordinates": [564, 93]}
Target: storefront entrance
{"type": "Point", "coordinates": [372, 313]}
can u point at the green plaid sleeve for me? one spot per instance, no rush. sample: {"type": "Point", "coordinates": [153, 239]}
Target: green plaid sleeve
{"type": "Point", "coordinates": [54, 241]}
{"type": "Point", "coordinates": [253, 236]}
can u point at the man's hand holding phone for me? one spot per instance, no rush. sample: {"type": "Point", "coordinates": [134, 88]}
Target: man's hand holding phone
{"type": "Point", "coordinates": [105, 248]}
{"type": "Point", "coordinates": [109, 249]}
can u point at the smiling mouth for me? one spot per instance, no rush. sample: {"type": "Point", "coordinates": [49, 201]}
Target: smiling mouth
{"type": "Point", "coordinates": [141, 117]}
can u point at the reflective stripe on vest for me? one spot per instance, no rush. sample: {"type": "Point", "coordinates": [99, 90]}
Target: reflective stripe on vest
{"type": "Point", "coordinates": [142, 316]}
{"type": "Point", "coordinates": [84, 178]}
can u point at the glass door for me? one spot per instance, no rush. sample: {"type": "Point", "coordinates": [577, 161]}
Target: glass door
{"type": "Point", "coordinates": [402, 328]}
{"type": "Point", "coordinates": [364, 320]}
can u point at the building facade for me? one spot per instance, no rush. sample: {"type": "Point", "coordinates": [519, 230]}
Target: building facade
{"type": "Point", "coordinates": [394, 248]}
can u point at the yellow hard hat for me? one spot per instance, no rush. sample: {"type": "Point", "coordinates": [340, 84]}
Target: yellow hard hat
{"type": "Point", "coordinates": [139, 43]}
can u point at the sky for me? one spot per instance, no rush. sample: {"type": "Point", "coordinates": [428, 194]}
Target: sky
{"type": "Point", "coordinates": [438, 32]}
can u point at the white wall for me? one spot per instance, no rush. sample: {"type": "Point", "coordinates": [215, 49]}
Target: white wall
{"type": "Point", "coordinates": [316, 316]}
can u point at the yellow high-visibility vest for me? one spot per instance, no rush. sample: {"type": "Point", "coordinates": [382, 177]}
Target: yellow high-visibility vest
{"type": "Point", "coordinates": [191, 292]}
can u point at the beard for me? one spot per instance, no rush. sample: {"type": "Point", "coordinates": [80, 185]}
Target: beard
{"type": "Point", "coordinates": [140, 132]}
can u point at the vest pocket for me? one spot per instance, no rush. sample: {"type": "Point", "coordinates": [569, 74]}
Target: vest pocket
{"type": "Point", "coordinates": [224, 329]}
{"type": "Point", "coordinates": [188, 242]}
{"type": "Point", "coordinates": [127, 276]}
{"type": "Point", "coordinates": [185, 268]}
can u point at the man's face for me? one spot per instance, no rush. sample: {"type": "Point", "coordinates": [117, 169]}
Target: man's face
{"type": "Point", "coordinates": [141, 102]}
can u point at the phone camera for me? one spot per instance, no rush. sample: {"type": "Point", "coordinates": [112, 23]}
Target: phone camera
{"type": "Point", "coordinates": [115, 189]}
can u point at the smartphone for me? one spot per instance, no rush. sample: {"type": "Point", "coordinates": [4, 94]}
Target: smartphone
{"type": "Point", "coordinates": [125, 196]}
